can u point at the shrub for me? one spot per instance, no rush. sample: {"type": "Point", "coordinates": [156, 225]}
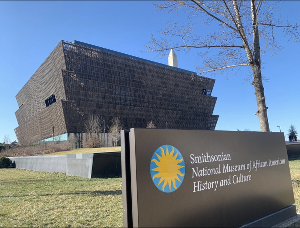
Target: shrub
{"type": "Point", "coordinates": [92, 142]}
{"type": "Point", "coordinates": [5, 162]}
{"type": "Point", "coordinates": [36, 149]}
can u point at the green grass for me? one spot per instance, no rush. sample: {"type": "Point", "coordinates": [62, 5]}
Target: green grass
{"type": "Point", "coordinates": [87, 150]}
{"type": "Point", "coordinates": [295, 175]}
{"type": "Point", "coordinates": [40, 199]}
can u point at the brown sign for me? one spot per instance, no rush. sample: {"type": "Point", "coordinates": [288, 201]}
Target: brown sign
{"type": "Point", "coordinates": [176, 178]}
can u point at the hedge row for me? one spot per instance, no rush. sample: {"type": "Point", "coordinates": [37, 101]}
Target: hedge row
{"type": "Point", "coordinates": [6, 163]}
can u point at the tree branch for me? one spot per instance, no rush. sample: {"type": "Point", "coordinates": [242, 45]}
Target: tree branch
{"type": "Point", "coordinates": [218, 19]}
{"type": "Point", "coordinates": [241, 32]}
{"type": "Point", "coordinates": [238, 24]}
{"type": "Point", "coordinates": [191, 46]}
{"type": "Point", "coordinates": [217, 11]}
{"type": "Point", "coordinates": [280, 26]}
{"type": "Point", "coordinates": [258, 6]}
{"type": "Point", "coordinates": [232, 18]}
{"type": "Point", "coordinates": [225, 67]}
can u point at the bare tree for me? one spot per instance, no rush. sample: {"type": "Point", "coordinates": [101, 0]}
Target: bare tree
{"type": "Point", "coordinates": [93, 127]}
{"type": "Point", "coordinates": [115, 130]}
{"type": "Point", "coordinates": [150, 125]}
{"type": "Point", "coordinates": [6, 139]}
{"type": "Point", "coordinates": [93, 124]}
{"type": "Point", "coordinates": [235, 44]}
{"type": "Point", "coordinates": [72, 139]}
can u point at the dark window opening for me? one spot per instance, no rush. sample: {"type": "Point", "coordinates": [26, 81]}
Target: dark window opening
{"type": "Point", "coordinates": [50, 100]}
{"type": "Point", "coordinates": [206, 92]}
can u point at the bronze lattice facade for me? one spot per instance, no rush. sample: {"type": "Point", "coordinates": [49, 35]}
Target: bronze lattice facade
{"type": "Point", "coordinates": [78, 80]}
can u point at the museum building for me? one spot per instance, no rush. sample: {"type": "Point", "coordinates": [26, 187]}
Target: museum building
{"type": "Point", "coordinates": [78, 80]}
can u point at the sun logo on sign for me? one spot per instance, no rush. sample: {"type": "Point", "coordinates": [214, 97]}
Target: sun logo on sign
{"type": "Point", "coordinates": [167, 167]}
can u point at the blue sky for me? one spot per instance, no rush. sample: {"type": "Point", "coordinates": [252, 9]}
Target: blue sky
{"type": "Point", "coordinates": [31, 30]}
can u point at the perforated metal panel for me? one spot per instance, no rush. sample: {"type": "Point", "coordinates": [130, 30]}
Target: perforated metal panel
{"type": "Point", "coordinates": [89, 80]}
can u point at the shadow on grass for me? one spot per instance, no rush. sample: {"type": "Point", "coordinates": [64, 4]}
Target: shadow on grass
{"type": "Point", "coordinates": [33, 180]}
{"type": "Point", "coordinates": [93, 193]}
{"type": "Point", "coordinates": [293, 158]}
{"type": "Point", "coordinates": [42, 180]}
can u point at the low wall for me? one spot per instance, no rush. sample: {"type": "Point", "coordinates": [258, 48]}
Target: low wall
{"type": "Point", "coordinates": [107, 165]}
{"type": "Point", "coordinates": [42, 163]}
{"type": "Point", "coordinates": [84, 165]}
{"type": "Point", "coordinates": [293, 150]}
{"type": "Point", "coordinates": [79, 165]}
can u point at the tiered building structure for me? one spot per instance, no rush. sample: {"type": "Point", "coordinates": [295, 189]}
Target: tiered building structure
{"type": "Point", "coordinates": [78, 80]}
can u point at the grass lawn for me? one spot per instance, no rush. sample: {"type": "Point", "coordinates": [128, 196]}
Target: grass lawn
{"type": "Point", "coordinates": [295, 175]}
{"type": "Point", "coordinates": [87, 150]}
{"type": "Point", "coordinates": [40, 199]}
